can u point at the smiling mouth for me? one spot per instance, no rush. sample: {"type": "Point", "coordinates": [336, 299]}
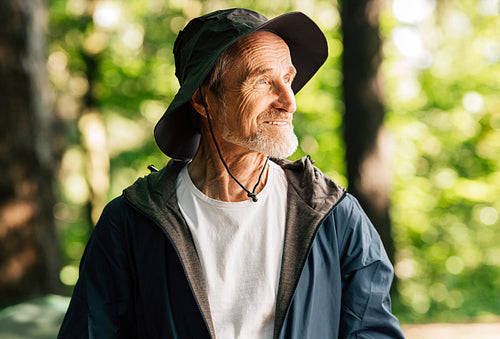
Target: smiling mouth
{"type": "Point", "coordinates": [277, 123]}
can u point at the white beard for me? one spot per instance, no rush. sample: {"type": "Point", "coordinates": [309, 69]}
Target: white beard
{"type": "Point", "coordinates": [275, 146]}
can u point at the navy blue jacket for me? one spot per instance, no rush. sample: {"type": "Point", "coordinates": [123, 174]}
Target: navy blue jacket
{"type": "Point", "coordinates": [140, 276]}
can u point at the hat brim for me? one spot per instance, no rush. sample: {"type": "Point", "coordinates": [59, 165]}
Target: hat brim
{"type": "Point", "coordinates": [174, 132]}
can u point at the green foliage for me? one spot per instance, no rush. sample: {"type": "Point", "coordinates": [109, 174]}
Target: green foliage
{"type": "Point", "coordinates": [444, 117]}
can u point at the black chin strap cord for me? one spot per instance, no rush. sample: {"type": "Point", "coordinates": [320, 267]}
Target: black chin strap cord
{"type": "Point", "coordinates": [249, 194]}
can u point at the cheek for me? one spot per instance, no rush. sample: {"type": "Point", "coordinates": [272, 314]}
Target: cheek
{"type": "Point", "coordinates": [246, 99]}
{"type": "Point", "coordinates": [248, 109]}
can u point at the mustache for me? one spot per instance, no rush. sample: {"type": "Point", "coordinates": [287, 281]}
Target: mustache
{"type": "Point", "coordinates": [275, 115]}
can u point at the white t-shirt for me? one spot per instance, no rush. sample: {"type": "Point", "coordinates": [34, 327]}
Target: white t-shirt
{"type": "Point", "coordinates": [240, 245]}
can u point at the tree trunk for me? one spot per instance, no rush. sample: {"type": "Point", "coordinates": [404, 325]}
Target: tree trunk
{"type": "Point", "coordinates": [368, 145]}
{"type": "Point", "coordinates": [29, 254]}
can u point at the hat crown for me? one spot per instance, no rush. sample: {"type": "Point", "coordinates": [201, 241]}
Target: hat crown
{"type": "Point", "coordinates": [203, 38]}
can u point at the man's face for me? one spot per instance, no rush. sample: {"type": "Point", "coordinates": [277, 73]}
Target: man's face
{"type": "Point", "coordinates": [258, 103]}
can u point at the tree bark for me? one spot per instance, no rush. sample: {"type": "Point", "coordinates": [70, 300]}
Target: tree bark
{"type": "Point", "coordinates": [368, 145]}
{"type": "Point", "coordinates": [29, 253]}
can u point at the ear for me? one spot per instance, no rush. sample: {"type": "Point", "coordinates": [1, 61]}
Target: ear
{"type": "Point", "coordinates": [197, 103]}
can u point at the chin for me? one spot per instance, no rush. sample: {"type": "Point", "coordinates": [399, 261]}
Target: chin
{"type": "Point", "coordinates": [276, 147]}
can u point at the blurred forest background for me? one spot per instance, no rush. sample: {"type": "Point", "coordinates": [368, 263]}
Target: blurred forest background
{"type": "Point", "coordinates": [422, 154]}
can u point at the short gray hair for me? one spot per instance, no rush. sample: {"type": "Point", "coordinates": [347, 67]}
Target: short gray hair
{"type": "Point", "coordinates": [213, 81]}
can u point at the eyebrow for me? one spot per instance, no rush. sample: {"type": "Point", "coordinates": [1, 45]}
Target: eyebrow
{"type": "Point", "coordinates": [263, 70]}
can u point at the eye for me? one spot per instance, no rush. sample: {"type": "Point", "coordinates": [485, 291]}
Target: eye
{"type": "Point", "coordinates": [262, 82]}
{"type": "Point", "coordinates": [288, 79]}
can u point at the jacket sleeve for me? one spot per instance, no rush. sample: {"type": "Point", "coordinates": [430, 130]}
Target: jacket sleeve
{"type": "Point", "coordinates": [366, 277]}
{"type": "Point", "coordinates": [100, 305]}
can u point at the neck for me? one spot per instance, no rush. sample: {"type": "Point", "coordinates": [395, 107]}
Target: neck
{"type": "Point", "coordinates": [211, 177]}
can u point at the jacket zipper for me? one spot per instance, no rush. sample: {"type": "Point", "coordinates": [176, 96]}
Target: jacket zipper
{"type": "Point", "coordinates": [318, 226]}
{"type": "Point", "coordinates": [178, 257]}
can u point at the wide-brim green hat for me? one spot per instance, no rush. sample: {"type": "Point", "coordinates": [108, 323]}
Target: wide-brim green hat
{"type": "Point", "coordinates": [200, 44]}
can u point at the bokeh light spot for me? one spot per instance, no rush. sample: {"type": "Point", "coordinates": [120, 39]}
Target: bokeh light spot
{"type": "Point", "coordinates": [412, 12]}
{"type": "Point", "coordinates": [454, 265]}
{"type": "Point", "coordinates": [69, 275]}
{"type": "Point", "coordinates": [107, 14]}
{"type": "Point", "coordinates": [473, 102]}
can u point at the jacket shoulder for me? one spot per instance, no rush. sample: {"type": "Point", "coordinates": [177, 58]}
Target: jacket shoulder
{"type": "Point", "coordinates": [115, 212]}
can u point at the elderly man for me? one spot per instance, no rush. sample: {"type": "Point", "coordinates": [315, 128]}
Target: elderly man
{"type": "Point", "coordinates": [229, 240]}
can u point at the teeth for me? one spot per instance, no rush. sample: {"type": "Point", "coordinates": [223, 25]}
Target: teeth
{"type": "Point", "coordinates": [276, 122]}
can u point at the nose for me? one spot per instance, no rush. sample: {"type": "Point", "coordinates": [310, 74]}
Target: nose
{"type": "Point", "coordinates": [285, 98]}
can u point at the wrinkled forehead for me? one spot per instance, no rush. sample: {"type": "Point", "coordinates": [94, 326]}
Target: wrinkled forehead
{"type": "Point", "coordinates": [262, 37]}
{"type": "Point", "coordinates": [259, 48]}
{"type": "Point", "coordinates": [263, 43]}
